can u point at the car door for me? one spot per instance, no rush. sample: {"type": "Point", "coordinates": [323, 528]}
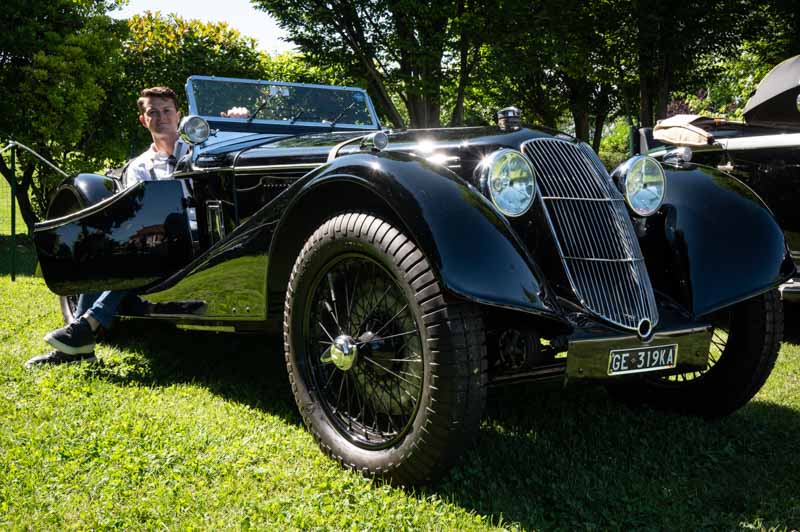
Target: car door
{"type": "Point", "coordinates": [130, 240]}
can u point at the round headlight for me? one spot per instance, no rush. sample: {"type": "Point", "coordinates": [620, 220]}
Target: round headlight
{"type": "Point", "coordinates": [643, 182]}
{"type": "Point", "coordinates": [194, 129]}
{"type": "Point", "coordinates": [509, 180]}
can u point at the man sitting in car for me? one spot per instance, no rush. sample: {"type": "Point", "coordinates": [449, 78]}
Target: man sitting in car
{"type": "Point", "coordinates": [158, 112]}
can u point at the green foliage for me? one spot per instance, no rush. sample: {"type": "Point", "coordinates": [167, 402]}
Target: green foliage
{"type": "Point", "coordinates": [71, 74]}
{"type": "Point", "coordinates": [727, 92]}
{"type": "Point", "coordinates": [165, 50]}
{"type": "Point", "coordinates": [73, 89]}
{"type": "Point", "coordinates": [403, 50]}
{"type": "Point", "coordinates": [56, 58]}
{"type": "Point", "coordinates": [189, 430]}
{"type": "Point", "coordinates": [615, 144]}
{"type": "Point", "coordinates": [731, 78]}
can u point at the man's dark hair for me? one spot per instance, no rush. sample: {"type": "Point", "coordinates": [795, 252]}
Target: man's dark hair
{"type": "Point", "coordinates": [157, 92]}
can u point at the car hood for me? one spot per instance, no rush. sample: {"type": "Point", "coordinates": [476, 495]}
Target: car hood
{"type": "Point", "coordinates": [457, 148]}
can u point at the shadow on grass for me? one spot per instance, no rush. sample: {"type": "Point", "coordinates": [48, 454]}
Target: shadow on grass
{"type": "Point", "coordinates": [248, 369]}
{"type": "Point", "coordinates": [576, 459]}
{"type": "Point", "coordinates": [25, 256]}
{"type": "Point", "coordinates": [545, 459]}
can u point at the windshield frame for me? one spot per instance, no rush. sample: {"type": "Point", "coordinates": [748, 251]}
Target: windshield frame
{"type": "Point", "coordinates": [258, 123]}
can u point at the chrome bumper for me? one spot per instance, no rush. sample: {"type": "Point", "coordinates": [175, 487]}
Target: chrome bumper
{"type": "Point", "coordinates": [589, 348]}
{"type": "Point", "coordinates": [790, 290]}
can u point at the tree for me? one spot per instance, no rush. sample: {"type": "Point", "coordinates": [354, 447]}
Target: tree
{"type": "Point", "coordinates": [54, 58]}
{"type": "Point", "coordinates": [671, 40]}
{"type": "Point", "coordinates": [402, 48]}
{"type": "Point", "coordinates": [165, 50]}
{"type": "Point", "coordinates": [71, 76]}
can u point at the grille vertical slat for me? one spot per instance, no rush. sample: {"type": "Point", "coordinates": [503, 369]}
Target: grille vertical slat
{"type": "Point", "coordinates": [596, 240]}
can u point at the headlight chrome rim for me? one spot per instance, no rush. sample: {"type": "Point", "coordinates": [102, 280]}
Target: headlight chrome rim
{"type": "Point", "coordinates": [494, 182]}
{"type": "Point", "coordinates": [194, 129]}
{"type": "Point", "coordinates": [631, 178]}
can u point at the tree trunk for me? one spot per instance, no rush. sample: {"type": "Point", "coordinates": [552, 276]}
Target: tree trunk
{"type": "Point", "coordinates": [581, 118]}
{"type": "Point", "coordinates": [457, 118]}
{"type": "Point", "coordinates": [602, 105]}
{"type": "Point", "coordinates": [23, 200]}
{"type": "Point", "coordinates": [579, 106]}
{"type": "Point", "coordinates": [384, 101]}
{"type": "Point", "coordinates": [664, 82]}
{"type": "Point", "coordinates": [645, 102]}
{"type": "Point", "coordinates": [599, 121]}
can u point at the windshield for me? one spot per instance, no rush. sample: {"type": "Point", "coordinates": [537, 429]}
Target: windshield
{"type": "Point", "coordinates": [281, 103]}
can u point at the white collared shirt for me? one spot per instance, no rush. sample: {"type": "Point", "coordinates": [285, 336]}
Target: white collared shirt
{"type": "Point", "coordinates": [153, 164]}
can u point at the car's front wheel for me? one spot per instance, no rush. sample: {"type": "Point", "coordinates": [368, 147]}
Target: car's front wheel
{"type": "Point", "coordinates": [68, 306]}
{"type": "Point", "coordinates": [388, 373]}
{"type": "Point", "coordinates": [744, 347]}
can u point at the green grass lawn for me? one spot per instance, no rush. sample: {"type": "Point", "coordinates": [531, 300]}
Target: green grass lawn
{"type": "Point", "coordinates": [186, 430]}
{"type": "Point", "coordinates": [5, 212]}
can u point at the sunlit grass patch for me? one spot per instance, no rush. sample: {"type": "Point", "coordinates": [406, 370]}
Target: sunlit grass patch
{"type": "Point", "coordinates": [175, 429]}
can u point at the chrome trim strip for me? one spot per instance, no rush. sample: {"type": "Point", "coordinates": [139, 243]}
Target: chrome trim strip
{"type": "Point", "coordinates": [266, 168]}
{"type": "Point", "coordinates": [593, 259]}
{"type": "Point", "coordinates": [214, 328]}
{"type": "Point", "coordinates": [786, 140]}
{"type": "Point", "coordinates": [335, 150]}
{"type": "Point", "coordinates": [605, 200]}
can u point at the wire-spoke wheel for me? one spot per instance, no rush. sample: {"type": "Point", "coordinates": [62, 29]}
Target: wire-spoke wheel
{"type": "Point", "coordinates": [742, 353]}
{"type": "Point", "coordinates": [719, 341]}
{"type": "Point", "coordinates": [68, 306]}
{"type": "Point", "coordinates": [388, 373]}
{"type": "Point", "coordinates": [369, 369]}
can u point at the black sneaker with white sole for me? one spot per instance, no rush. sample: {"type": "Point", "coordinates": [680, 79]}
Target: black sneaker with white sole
{"type": "Point", "coordinates": [58, 357]}
{"type": "Point", "coordinates": [77, 338]}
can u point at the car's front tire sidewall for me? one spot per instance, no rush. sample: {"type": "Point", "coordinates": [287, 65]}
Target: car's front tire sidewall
{"type": "Point", "coordinates": [338, 445]}
{"type": "Point", "coordinates": [451, 392]}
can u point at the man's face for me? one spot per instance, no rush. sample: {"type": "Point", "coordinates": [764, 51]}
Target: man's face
{"type": "Point", "coordinates": [160, 116]}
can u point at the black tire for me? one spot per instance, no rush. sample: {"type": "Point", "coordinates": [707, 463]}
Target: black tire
{"type": "Point", "coordinates": [412, 401]}
{"type": "Point", "coordinates": [744, 348]}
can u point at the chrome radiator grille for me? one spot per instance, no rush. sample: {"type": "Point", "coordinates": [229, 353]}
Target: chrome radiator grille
{"type": "Point", "coordinates": [593, 231]}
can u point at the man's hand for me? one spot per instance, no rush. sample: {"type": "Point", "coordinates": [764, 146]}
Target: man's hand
{"type": "Point", "coordinates": [236, 112]}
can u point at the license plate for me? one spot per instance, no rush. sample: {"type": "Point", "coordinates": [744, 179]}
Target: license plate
{"type": "Point", "coordinates": [640, 359]}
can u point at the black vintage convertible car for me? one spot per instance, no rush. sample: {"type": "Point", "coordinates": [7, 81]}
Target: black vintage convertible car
{"type": "Point", "coordinates": [410, 270]}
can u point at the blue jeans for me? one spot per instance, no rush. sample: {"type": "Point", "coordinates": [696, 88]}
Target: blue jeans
{"type": "Point", "coordinates": [101, 306]}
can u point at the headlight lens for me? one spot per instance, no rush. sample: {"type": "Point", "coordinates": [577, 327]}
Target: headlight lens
{"type": "Point", "coordinates": [194, 129]}
{"type": "Point", "coordinates": [509, 180]}
{"type": "Point", "coordinates": [643, 182]}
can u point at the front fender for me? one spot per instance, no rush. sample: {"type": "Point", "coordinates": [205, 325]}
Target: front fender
{"type": "Point", "coordinates": [472, 249]}
{"type": "Point", "coordinates": [721, 243]}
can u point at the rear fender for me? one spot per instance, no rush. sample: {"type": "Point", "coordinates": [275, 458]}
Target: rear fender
{"type": "Point", "coordinates": [472, 249]}
{"type": "Point", "coordinates": [80, 191]}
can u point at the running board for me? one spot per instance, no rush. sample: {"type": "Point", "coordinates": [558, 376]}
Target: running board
{"type": "Point", "coordinates": [541, 373]}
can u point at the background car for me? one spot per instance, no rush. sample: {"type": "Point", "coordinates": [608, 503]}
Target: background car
{"type": "Point", "coordinates": [763, 151]}
{"type": "Point", "coordinates": [410, 270]}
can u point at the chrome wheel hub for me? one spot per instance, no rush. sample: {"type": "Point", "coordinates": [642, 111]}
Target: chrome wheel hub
{"type": "Point", "coordinates": [342, 353]}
